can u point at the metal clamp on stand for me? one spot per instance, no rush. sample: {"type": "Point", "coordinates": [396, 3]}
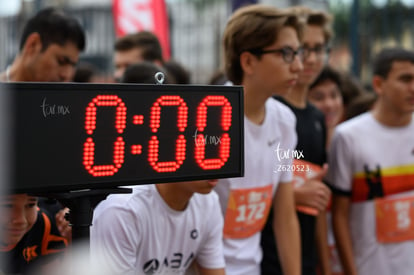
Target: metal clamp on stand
{"type": "Point", "coordinates": [159, 78]}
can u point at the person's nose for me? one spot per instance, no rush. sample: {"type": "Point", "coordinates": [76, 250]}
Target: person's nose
{"type": "Point", "coordinates": [118, 73]}
{"type": "Point", "coordinates": [66, 73]}
{"type": "Point", "coordinates": [329, 104]}
{"type": "Point", "coordinates": [311, 57]}
{"type": "Point", "coordinates": [297, 64]}
{"type": "Point", "coordinates": [17, 215]}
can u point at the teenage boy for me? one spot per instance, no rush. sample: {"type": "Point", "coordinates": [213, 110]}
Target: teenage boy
{"type": "Point", "coordinates": [262, 53]}
{"type": "Point", "coordinates": [160, 229]}
{"type": "Point", "coordinates": [311, 194]}
{"type": "Point", "coordinates": [30, 240]}
{"type": "Point", "coordinates": [371, 168]}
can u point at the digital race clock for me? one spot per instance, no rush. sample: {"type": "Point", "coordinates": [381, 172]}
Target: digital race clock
{"type": "Point", "coordinates": [87, 136]}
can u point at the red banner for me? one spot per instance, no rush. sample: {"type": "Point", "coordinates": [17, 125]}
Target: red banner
{"type": "Point", "coordinates": [137, 15]}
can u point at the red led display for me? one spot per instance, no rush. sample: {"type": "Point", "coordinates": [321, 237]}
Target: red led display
{"type": "Point", "coordinates": [136, 149]}
{"type": "Point", "coordinates": [224, 140]}
{"type": "Point", "coordinates": [153, 148]}
{"type": "Point", "coordinates": [72, 136]}
{"type": "Point", "coordinates": [155, 122]}
{"type": "Point", "coordinates": [90, 126]}
{"type": "Point", "coordinates": [138, 119]}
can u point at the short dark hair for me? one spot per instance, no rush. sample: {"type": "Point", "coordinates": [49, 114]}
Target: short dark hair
{"type": "Point", "coordinates": [383, 61]}
{"type": "Point", "coordinates": [143, 72]}
{"type": "Point", "coordinates": [327, 73]}
{"type": "Point", "coordinates": [54, 27]}
{"type": "Point", "coordinates": [85, 72]}
{"type": "Point", "coordinates": [146, 40]}
{"type": "Point", "coordinates": [360, 104]}
{"type": "Point", "coordinates": [178, 72]}
{"type": "Point", "coordinates": [349, 86]}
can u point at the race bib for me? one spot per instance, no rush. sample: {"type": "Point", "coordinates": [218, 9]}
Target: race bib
{"type": "Point", "coordinates": [395, 219]}
{"type": "Point", "coordinates": [247, 211]}
{"type": "Point", "coordinates": [303, 170]}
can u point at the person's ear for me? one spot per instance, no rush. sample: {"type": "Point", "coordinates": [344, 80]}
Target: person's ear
{"type": "Point", "coordinates": [377, 84]}
{"type": "Point", "coordinates": [33, 44]}
{"type": "Point", "coordinates": [247, 62]}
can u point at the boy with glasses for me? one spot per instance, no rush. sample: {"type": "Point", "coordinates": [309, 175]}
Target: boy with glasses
{"type": "Point", "coordinates": [311, 194]}
{"type": "Point", "coordinates": [262, 53]}
{"type": "Point", "coordinates": [288, 54]}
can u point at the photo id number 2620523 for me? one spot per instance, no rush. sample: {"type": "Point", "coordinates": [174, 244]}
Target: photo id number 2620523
{"type": "Point", "coordinates": [292, 168]}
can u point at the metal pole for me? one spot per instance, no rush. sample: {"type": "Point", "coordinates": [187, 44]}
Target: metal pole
{"type": "Point", "coordinates": [354, 38]}
{"type": "Point", "coordinates": [295, 2]}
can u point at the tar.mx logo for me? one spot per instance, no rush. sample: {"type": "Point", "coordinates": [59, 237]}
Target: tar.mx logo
{"type": "Point", "coordinates": [288, 153]}
{"type": "Point", "coordinates": [201, 140]}
{"type": "Point", "coordinates": [53, 109]}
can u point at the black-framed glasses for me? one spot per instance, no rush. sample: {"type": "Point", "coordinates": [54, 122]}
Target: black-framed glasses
{"type": "Point", "coordinates": [321, 51]}
{"type": "Point", "coordinates": [287, 53]}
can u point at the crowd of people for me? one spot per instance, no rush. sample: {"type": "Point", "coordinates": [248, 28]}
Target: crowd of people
{"type": "Point", "coordinates": [339, 200]}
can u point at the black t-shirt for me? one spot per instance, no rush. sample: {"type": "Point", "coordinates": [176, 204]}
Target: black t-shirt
{"type": "Point", "coordinates": [39, 246]}
{"type": "Point", "coordinates": [311, 131]}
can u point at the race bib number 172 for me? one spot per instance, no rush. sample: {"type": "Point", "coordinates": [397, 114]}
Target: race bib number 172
{"type": "Point", "coordinates": [247, 211]}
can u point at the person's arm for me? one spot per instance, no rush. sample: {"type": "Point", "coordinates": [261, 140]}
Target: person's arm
{"type": "Point", "coordinates": [63, 224]}
{"type": "Point", "coordinates": [322, 243]}
{"type": "Point", "coordinates": [210, 258]}
{"type": "Point", "coordinates": [286, 229]}
{"type": "Point", "coordinates": [207, 271]}
{"type": "Point", "coordinates": [197, 269]}
{"type": "Point", "coordinates": [340, 223]}
{"type": "Point", "coordinates": [314, 193]}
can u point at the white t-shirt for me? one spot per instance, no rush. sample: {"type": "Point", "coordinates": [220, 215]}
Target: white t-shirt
{"type": "Point", "coordinates": [139, 233]}
{"type": "Point", "coordinates": [366, 153]}
{"type": "Point", "coordinates": [246, 201]}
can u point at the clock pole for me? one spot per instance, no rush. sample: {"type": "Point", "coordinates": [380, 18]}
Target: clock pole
{"type": "Point", "coordinates": [81, 204]}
